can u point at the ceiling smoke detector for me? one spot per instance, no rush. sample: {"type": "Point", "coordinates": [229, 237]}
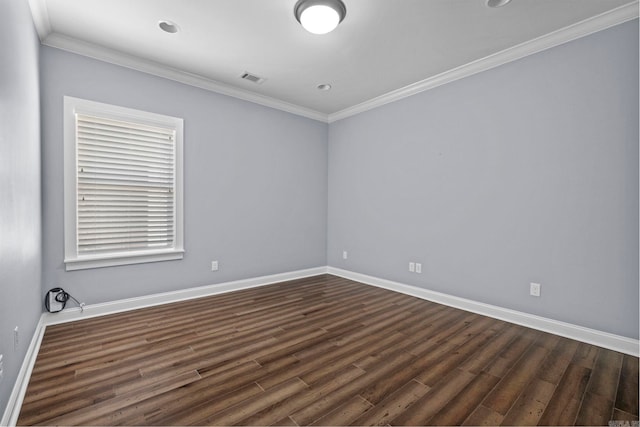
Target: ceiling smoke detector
{"type": "Point", "coordinates": [319, 16]}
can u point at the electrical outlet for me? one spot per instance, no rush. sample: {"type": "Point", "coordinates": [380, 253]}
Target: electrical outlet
{"type": "Point", "coordinates": [214, 265]}
{"type": "Point", "coordinates": [415, 267]}
{"type": "Point", "coordinates": [344, 254]}
{"type": "Point", "coordinates": [534, 289]}
{"type": "Point", "coordinates": [16, 338]}
{"type": "Point", "coordinates": [1, 368]}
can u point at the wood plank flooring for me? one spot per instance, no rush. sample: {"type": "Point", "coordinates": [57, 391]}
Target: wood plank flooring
{"type": "Point", "coordinates": [321, 351]}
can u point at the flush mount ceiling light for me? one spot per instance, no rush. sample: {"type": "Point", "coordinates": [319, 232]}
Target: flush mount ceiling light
{"type": "Point", "coordinates": [168, 27]}
{"type": "Point", "coordinates": [497, 3]}
{"type": "Point", "coordinates": [319, 16]}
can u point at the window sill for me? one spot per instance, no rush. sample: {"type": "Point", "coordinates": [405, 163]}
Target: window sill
{"type": "Point", "coordinates": [82, 263]}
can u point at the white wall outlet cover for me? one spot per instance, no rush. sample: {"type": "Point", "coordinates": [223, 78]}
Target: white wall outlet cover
{"type": "Point", "coordinates": [214, 265]}
{"type": "Point", "coordinates": [16, 338]}
{"type": "Point", "coordinates": [418, 267]}
{"type": "Point", "coordinates": [534, 289]}
{"type": "Point", "coordinates": [344, 254]}
{"type": "Point", "coordinates": [412, 267]}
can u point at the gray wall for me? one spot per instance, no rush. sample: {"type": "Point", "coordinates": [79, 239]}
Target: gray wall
{"type": "Point", "coordinates": [524, 173]}
{"type": "Point", "coordinates": [255, 182]}
{"type": "Point", "coordinates": [20, 227]}
{"type": "Point", "coordinates": [528, 172]}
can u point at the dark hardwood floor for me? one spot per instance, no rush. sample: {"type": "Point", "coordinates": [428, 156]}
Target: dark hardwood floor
{"type": "Point", "coordinates": [321, 351]}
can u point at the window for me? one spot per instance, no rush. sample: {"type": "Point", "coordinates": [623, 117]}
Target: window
{"type": "Point", "coordinates": [123, 185]}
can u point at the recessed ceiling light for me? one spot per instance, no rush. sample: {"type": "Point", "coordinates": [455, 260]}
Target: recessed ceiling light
{"type": "Point", "coordinates": [497, 3]}
{"type": "Point", "coordinates": [168, 27]}
{"type": "Point", "coordinates": [324, 87]}
{"type": "Point", "coordinates": [319, 16]}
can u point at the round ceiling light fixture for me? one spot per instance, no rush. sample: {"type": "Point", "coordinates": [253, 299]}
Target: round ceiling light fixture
{"type": "Point", "coordinates": [497, 3]}
{"type": "Point", "coordinates": [319, 16]}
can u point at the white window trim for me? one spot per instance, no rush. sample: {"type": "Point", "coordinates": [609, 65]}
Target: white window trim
{"type": "Point", "coordinates": [72, 260]}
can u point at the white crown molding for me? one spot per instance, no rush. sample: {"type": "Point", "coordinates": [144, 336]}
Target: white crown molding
{"type": "Point", "coordinates": [597, 23]}
{"type": "Point", "coordinates": [568, 330]}
{"type": "Point", "coordinates": [40, 15]}
{"type": "Point", "coordinates": [101, 53]}
{"type": "Point", "coordinates": [572, 32]}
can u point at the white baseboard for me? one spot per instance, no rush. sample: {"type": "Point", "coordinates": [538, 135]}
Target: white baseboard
{"type": "Point", "coordinates": [94, 310]}
{"type": "Point", "coordinates": [568, 330]}
{"type": "Point", "coordinates": [579, 333]}
{"type": "Point", "coordinates": [12, 411]}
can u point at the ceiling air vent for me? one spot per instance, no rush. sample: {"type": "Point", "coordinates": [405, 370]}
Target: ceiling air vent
{"type": "Point", "coordinates": [252, 78]}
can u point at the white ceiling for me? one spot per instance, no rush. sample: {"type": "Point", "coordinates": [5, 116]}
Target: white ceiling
{"type": "Point", "coordinates": [383, 50]}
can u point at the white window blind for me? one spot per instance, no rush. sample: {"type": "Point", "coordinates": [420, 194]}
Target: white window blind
{"type": "Point", "coordinates": [124, 171]}
{"type": "Point", "coordinates": [125, 186]}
